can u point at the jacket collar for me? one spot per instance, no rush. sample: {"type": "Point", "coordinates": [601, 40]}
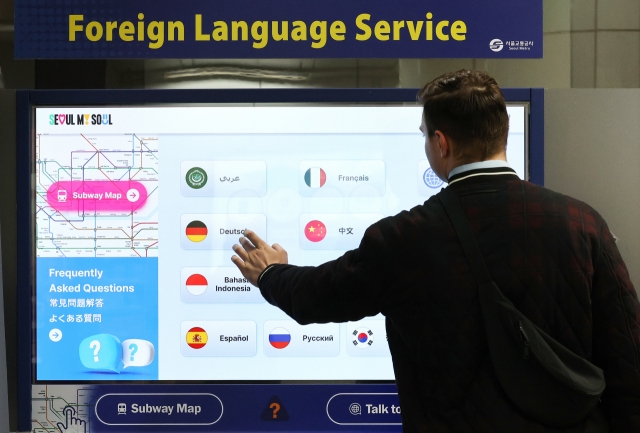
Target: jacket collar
{"type": "Point", "coordinates": [481, 172]}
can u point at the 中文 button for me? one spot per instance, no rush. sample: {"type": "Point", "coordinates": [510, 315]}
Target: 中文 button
{"type": "Point", "coordinates": [334, 231]}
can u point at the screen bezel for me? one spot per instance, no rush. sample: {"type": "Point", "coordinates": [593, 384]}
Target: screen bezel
{"type": "Point", "coordinates": [27, 101]}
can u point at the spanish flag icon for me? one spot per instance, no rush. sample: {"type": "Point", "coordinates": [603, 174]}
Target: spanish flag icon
{"type": "Point", "coordinates": [196, 231]}
{"type": "Point", "coordinates": [197, 338]}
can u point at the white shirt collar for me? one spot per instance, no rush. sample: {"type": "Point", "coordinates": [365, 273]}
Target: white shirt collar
{"type": "Point", "coordinates": [493, 163]}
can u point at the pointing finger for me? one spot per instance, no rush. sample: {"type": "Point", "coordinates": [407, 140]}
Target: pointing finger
{"type": "Point", "coordinates": [247, 244]}
{"type": "Point", "coordinates": [238, 262]}
{"type": "Point", "coordinates": [255, 239]}
{"type": "Point", "coordinates": [241, 252]}
{"type": "Point", "coordinates": [68, 413]}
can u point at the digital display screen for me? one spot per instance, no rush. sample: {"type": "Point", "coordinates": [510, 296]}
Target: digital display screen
{"type": "Point", "coordinates": [136, 210]}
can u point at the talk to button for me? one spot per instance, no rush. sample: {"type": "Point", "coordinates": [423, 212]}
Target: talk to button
{"type": "Point", "coordinates": [365, 409]}
{"type": "Point", "coordinates": [159, 409]}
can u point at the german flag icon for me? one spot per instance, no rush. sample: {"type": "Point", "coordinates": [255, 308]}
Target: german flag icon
{"type": "Point", "coordinates": [196, 231]}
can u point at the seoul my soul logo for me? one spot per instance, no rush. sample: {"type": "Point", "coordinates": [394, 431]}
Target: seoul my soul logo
{"type": "Point", "coordinates": [80, 119]}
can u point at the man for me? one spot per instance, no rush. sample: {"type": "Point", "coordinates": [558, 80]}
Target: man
{"type": "Point", "coordinates": [552, 256]}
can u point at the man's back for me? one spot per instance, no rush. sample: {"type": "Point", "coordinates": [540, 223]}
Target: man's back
{"type": "Point", "coordinates": [554, 258]}
{"type": "Point", "coordinates": [551, 255]}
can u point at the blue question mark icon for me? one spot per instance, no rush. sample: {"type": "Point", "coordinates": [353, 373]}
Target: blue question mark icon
{"type": "Point", "coordinates": [134, 348]}
{"type": "Point", "coordinates": [102, 352]}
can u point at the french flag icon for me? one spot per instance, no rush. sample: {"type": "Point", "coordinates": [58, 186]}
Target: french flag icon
{"type": "Point", "coordinates": [315, 177]}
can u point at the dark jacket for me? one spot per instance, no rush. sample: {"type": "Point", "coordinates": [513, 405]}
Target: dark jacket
{"type": "Point", "coordinates": [552, 256]}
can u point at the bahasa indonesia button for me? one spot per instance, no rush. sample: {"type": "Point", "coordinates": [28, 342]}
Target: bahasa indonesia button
{"type": "Point", "coordinates": [159, 409]}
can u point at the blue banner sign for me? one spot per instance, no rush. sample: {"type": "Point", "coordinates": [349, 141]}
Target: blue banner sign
{"type": "Point", "coordinates": [278, 29]}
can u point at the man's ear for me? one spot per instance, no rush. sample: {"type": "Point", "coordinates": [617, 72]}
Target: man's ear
{"type": "Point", "coordinates": [444, 144]}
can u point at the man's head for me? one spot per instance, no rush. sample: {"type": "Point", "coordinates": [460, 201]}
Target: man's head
{"type": "Point", "coordinates": [464, 118]}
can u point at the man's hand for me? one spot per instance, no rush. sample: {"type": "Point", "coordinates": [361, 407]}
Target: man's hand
{"type": "Point", "coordinates": [255, 255]}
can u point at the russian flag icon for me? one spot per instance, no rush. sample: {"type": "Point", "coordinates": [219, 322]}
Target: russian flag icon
{"type": "Point", "coordinates": [279, 338]}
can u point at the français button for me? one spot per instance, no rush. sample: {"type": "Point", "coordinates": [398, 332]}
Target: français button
{"type": "Point", "coordinates": [159, 409]}
{"type": "Point", "coordinates": [346, 178]}
{"type": "Point", "coordinates": [365, 409]}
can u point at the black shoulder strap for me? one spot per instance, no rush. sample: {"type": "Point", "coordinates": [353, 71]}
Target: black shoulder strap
{"type": "Point", "coordinates": [465, 235]}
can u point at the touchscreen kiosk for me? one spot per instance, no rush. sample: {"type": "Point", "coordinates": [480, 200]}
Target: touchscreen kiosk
{"type": "Point", "coordinates": [135, 208]}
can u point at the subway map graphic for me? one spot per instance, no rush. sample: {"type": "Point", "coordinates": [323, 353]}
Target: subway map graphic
{"type": "Point", "coordinates": [96, 195]}
{"type": "Point", "coordinates": [61, 408]}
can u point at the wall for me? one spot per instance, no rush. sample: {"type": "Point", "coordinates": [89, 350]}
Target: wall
{"type": "Point", "coordinates": [592, 152]}
{"type": "Point", "coordinates": [605, 43]}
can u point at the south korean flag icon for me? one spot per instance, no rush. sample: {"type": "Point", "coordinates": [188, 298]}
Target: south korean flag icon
{"type": "Point", "coordinates": [362, 338]}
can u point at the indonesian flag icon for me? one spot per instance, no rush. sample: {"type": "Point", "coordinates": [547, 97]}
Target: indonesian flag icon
{"type": "Point", "coordinates": [197, 284]}
{"type": "Point", "coordinates": [315, 231]}
{"type": "Point", "coordinates": [315, 177]}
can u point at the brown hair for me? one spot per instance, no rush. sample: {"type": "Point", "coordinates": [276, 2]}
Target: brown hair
{"type": "Point", "coordinates": [468, 107]}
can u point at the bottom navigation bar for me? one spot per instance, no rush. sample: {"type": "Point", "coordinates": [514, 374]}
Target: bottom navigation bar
{"type": "Point", "coordinates": [219, 407]}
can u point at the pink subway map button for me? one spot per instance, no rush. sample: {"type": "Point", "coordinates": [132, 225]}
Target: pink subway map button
{"type": "Point", "coordinates": [97, 196]}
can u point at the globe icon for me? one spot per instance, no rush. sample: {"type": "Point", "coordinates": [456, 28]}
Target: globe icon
{"type": "Point", "coordinates": [431, 179]}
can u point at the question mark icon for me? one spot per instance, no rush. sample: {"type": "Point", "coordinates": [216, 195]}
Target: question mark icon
{"type": "Point", "coordinates": [95, 345]}
{"type": "Point", "coordinates": [134, 348]}
{"type": "Point", "coordinates": [276, 408]}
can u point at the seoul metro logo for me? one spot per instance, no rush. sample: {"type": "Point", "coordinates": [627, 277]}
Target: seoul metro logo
{"type": "Point", "coordinates": [80, 119]}
{"type": "Point", "coordinates": [496, 45]}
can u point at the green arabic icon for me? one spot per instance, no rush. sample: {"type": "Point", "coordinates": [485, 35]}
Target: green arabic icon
{"type": "Point", "coordinates": [196, 178]}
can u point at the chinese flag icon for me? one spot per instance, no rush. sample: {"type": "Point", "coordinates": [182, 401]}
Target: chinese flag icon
{"type": "Point", "coordinates": [315, 231]}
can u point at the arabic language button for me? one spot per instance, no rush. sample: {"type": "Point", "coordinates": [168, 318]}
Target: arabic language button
{"type": "Point", "coordinates": [224, 178]}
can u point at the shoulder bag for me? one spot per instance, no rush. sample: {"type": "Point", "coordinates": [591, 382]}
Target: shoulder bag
{"type": "Point", "coordinates": [546, 381]}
